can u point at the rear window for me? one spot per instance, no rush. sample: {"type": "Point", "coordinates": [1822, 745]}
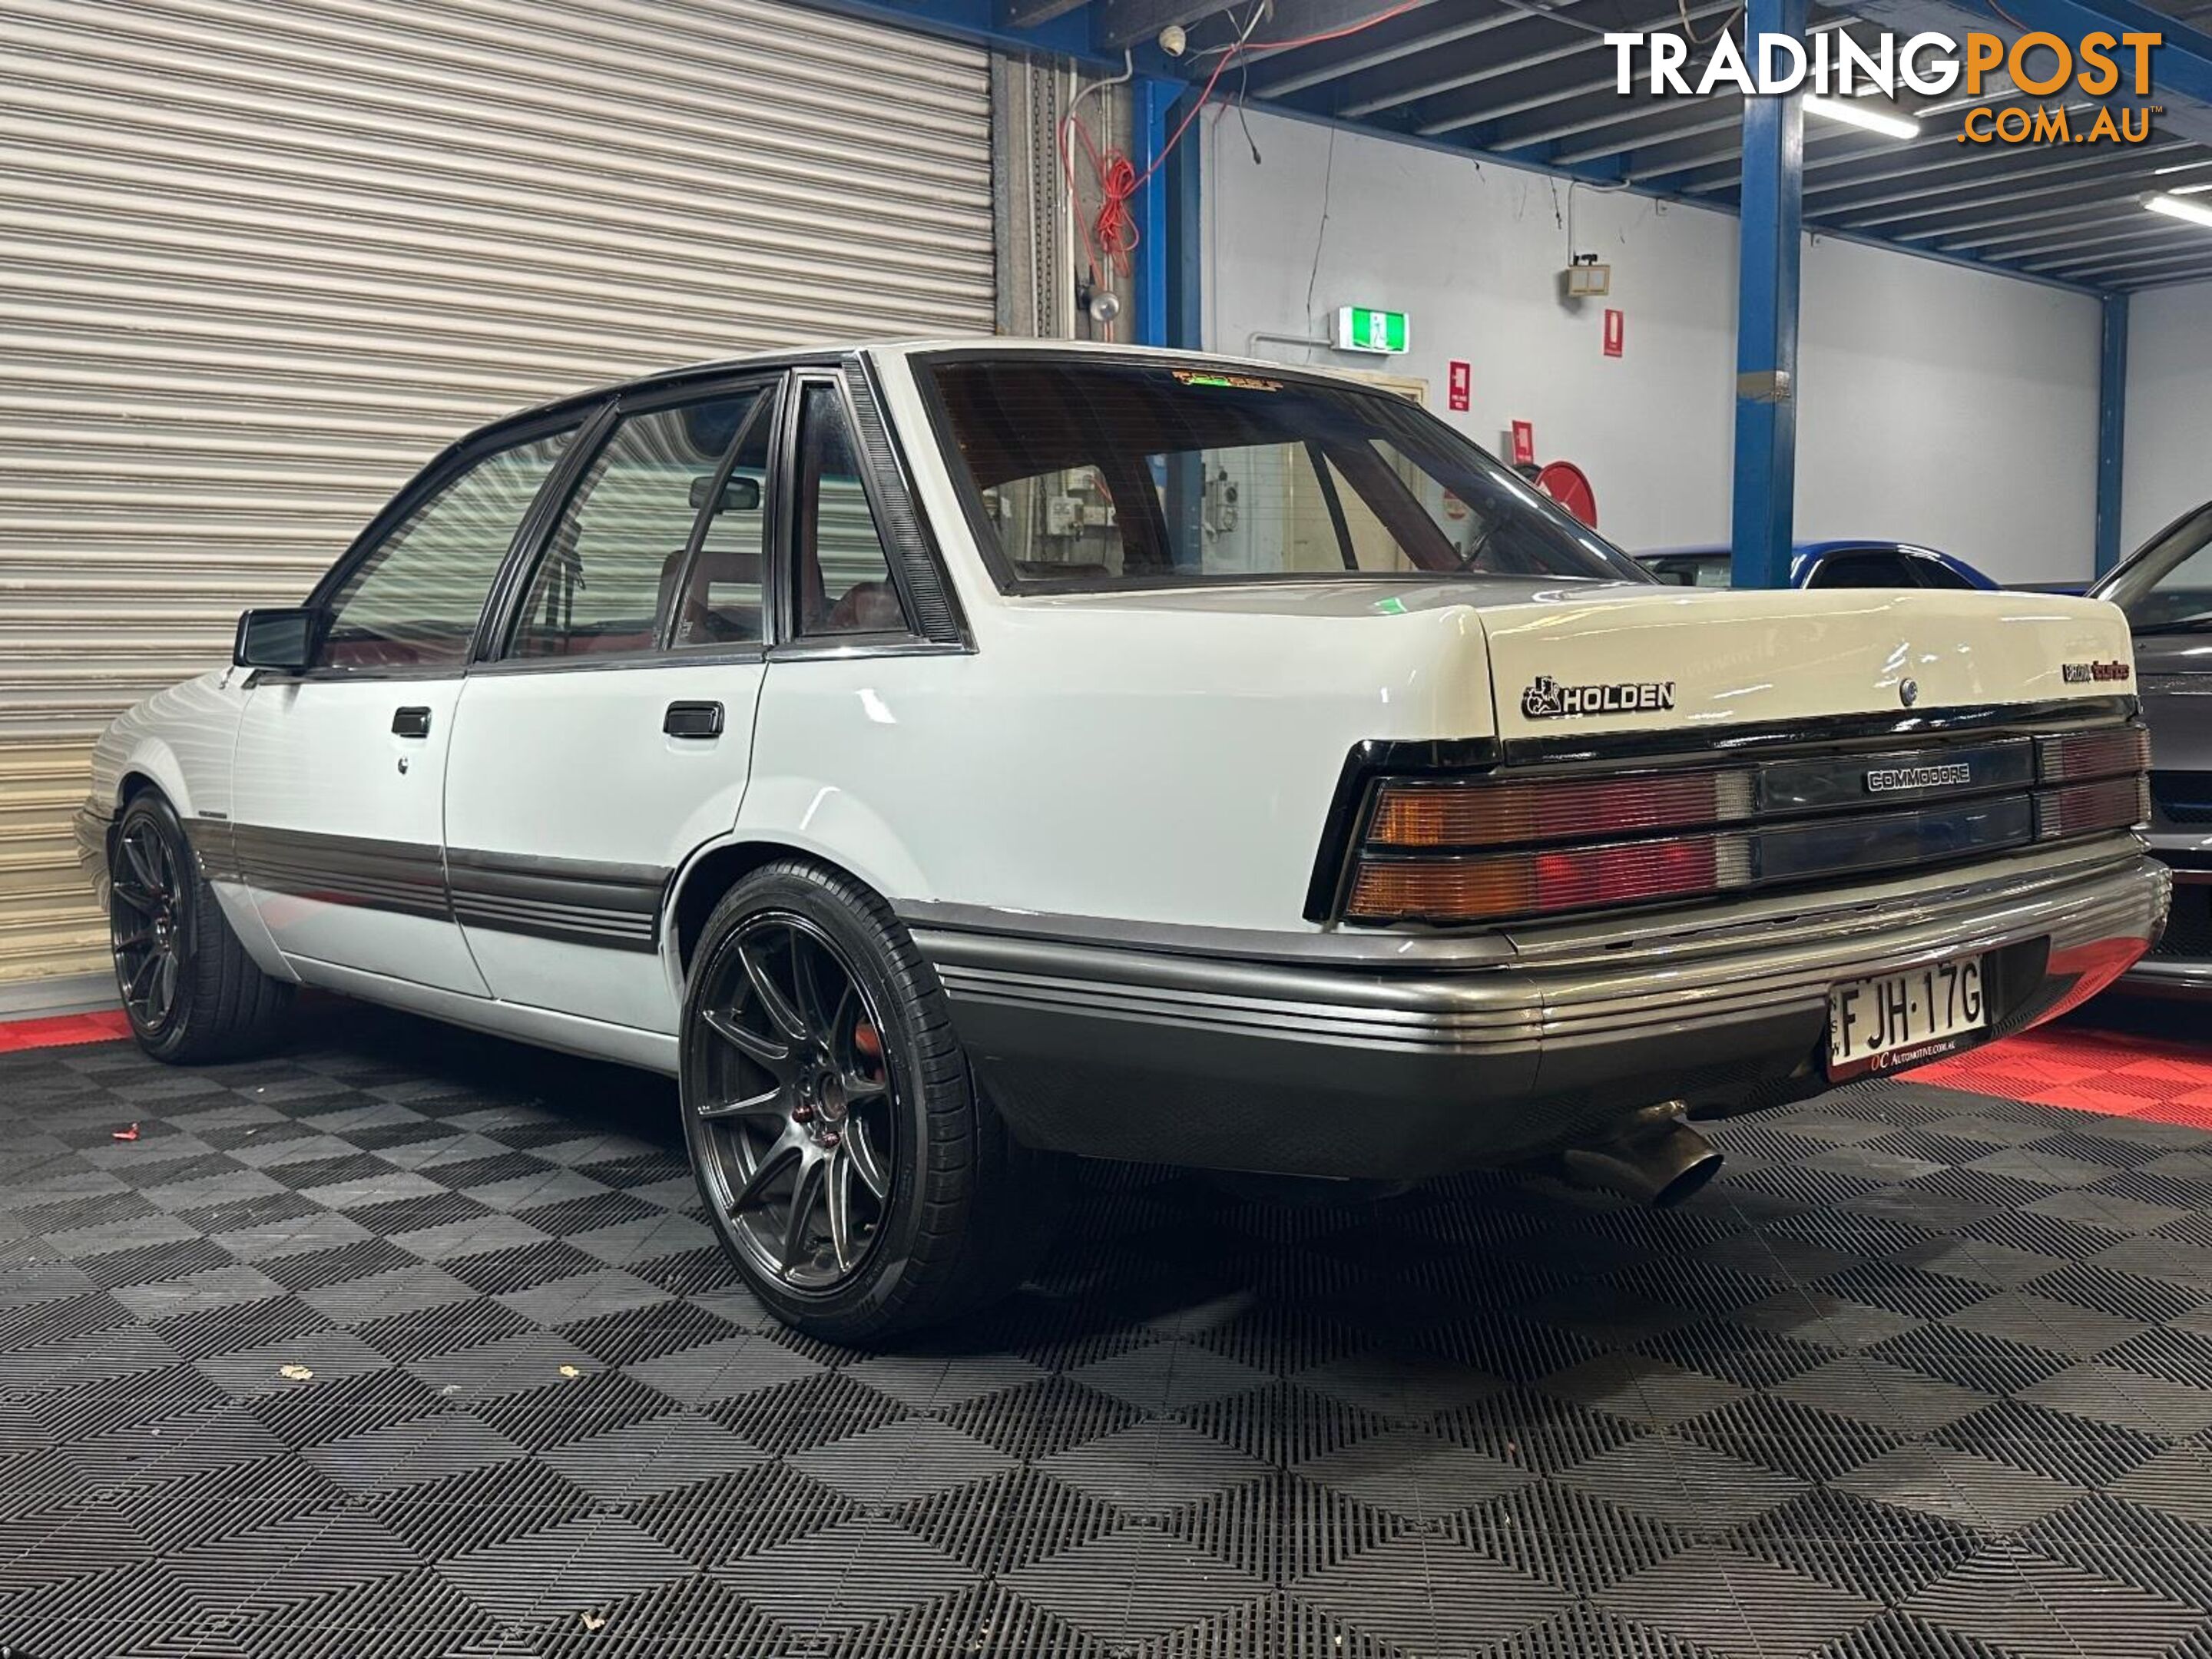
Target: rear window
{"type": "Point", "coordinates": [1087, 472]}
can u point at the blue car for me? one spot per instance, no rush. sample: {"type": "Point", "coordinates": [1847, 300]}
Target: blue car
{"type": "Point", "coordinates": [1824, 564]}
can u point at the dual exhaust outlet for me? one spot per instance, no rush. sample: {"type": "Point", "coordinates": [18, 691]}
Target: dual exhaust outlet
{"type": "Point", "coordinates": [1659, 1159]}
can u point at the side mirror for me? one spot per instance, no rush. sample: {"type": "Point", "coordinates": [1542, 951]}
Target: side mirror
{"type": "Point", "coordinates": [739, 495]}
{"type": "Point", "coordinates": [284, 640]}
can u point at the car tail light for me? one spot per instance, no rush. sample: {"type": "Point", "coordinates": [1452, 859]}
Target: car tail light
{"type": "Point", "coordinates": [1543, 881]}
{"type": "Point", "coordinates": [2101, 754]}
{"type": "Point", "coordinates": [2079, 809]}
{"type": "Point", "coordinates": [1486, 814]}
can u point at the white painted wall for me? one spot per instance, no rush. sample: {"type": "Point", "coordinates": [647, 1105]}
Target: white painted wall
{"type": "Point", "coordinates": [2168, 467]}
{"type": "Point", "coordinates": [1936, 404]}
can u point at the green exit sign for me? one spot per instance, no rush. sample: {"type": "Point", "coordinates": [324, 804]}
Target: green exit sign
{"type": "Point", "coordinates": [1360, 329]}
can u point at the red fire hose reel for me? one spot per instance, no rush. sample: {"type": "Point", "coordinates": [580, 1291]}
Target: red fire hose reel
{"type": "Point", "coordinates": [1570, 486]}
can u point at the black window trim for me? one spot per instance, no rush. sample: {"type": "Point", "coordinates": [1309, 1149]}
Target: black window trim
{"type": "Point", "coordinates": [583, 418]}
{"type": "Point", "coordinates": [496, 633]}
{"type": "Point", "coordinates": [791, 644]}
{"type": "Point", "coordinates": [985, 534]}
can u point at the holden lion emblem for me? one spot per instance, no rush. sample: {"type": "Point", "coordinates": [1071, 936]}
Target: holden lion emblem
{"type": "Point", "coordinates": [1546, 699]}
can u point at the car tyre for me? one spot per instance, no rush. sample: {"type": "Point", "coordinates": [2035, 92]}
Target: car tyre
{"type": "Point", "coordinates": [189, 990]}
{"type": "Point", "coordinates": [857, 1175]}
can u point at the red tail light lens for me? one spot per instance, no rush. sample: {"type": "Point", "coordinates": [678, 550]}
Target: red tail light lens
{"type": "Point", "coordinates": [1491, 814]}
{"type": "Point", "coordinates": [2101, 754]}
{"type": "Point", "coordinates": [2079, 809]}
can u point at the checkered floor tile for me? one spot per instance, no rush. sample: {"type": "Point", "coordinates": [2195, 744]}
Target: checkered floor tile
{"type": "Point", "coordinates": [411, 1344]}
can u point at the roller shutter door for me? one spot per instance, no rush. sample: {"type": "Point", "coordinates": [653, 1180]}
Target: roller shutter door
{"type": "Point", "coordinates": [260, 258]}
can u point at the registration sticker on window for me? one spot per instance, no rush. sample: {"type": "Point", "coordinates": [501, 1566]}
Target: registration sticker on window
{"type": "Point", "coordinates": [1227, 382]}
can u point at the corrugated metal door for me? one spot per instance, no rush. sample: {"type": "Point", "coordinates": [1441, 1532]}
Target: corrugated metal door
{"type": "Point", "coordinates": [263, 257]}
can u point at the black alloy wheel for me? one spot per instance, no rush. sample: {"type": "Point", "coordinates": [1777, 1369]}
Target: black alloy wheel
{"type": "Point", "coordinates": [861, 1181]}
{"type": "Point", "coordinates": [798, 1113]}
{"type": "Point", "coordinates": [191, 990]}
{"type": "Point", "coordinates": [149, 923]}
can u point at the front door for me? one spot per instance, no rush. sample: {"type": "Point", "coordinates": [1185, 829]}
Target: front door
{"type": "Point", "coordinates": [610, 735]}
{"type": "Point", "coordinates": [339, 799]}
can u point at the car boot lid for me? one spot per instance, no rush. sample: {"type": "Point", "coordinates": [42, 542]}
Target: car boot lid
{"type": "Point", "coordinates": [1637, 659]}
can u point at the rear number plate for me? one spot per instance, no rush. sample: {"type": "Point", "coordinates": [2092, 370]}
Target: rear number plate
{"type": "Point", "coordinates": [1893, 1020]}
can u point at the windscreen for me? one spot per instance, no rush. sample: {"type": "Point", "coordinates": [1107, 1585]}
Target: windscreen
{"type": "Point", "coordinates": [1099, 472]}
{"type": "Point", "coordinates": [2167, 588]}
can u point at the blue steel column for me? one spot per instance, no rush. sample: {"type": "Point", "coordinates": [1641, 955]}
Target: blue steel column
{"type": "Point", "coordinates": [1151, 107]}
{"type": "Point", "coordinates": [1186, 267]}
{"type": "Point", "coordinates": [1766, 318]}
{"type": "Point", "coordinates": [1168, 274]}
{"type": "Point", "coordinates": [2112, 429]}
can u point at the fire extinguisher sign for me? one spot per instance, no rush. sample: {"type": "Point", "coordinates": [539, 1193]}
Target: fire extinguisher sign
{"type": "Point", "coordinates": [1460, 387]}
{"type": "Point", "coordinates": [1524, 443]}
{"type": "Point", "coordinates": [1615, 322]}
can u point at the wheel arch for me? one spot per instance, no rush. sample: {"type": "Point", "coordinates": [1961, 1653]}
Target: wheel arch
{"type": "Point", "coordinates": [152, 764]}
{"type": "Point", "coordinates": [699, 886]}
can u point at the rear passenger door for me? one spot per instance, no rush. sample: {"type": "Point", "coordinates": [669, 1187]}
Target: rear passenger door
{"type": "Point", "coordinates": [607, 732]}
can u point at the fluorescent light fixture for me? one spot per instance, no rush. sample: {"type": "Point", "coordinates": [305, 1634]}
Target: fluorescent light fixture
{"type": "Point", "coordinates": [2195, 212]}
{"type": "Point", "coordinates": [1870, 113]}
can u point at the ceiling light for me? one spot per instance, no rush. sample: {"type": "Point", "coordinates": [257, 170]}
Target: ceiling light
{"type": "Point", "coordinates": [2195, 212]}
{"type": "Point", "coordinates": [1869, 114]}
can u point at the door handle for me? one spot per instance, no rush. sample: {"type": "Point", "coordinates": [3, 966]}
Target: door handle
{"type": "Point", "coordinates": [410, 723]}
{"type": "Point", "coordinates": [693, 720]}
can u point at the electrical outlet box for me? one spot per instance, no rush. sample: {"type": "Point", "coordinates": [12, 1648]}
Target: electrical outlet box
{"type": "Point", "coordinates": [1590, 281]}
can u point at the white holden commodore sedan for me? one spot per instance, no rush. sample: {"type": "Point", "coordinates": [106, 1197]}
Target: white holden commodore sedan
{"type": "Point", "coordinates": [940, 758]}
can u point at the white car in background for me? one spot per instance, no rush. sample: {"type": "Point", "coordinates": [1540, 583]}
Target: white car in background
{"type": "Point", "coordinates": [942, 757]}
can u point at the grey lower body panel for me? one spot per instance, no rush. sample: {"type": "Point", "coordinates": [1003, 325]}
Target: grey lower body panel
{"type": "Point", "coordinates": [2180, 963]}
{"type": "Point", "coordinates": [1308, 1068]}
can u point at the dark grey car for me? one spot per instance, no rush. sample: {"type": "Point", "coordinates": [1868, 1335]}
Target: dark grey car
{"type": "Point", "coordinates": [2166, 589]}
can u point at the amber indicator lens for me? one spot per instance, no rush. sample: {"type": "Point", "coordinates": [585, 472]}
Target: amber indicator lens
{"type": "Point", "coordinates": [1485, 814]}
{"type": "Point", "coordinates": [1532, 884]}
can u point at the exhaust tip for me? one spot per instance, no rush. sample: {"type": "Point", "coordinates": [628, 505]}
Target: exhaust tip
{"type": "Point", "coordinates": [1692, 1179]}
{"type": "Point", "coordinates": [1662, 1166]}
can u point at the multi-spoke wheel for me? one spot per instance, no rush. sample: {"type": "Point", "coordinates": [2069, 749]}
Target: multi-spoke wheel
{"type": "Point", "coordinates": [190, 989]}
{"type": "Point", "coordinates": [861, 1182]}
{"type": "Point", "coordinates": [799, 1120]}
{"type": "Point", "coordinates": [146, 922]}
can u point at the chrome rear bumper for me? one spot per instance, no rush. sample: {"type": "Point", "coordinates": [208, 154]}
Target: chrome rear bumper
{"type": "Point", "coordinates": [1363, 1055]}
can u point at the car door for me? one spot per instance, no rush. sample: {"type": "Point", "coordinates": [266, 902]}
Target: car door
{"type": "Point", "coordinates": [338, 800]}
{"type": "Point", "coordinates": [607, 734]}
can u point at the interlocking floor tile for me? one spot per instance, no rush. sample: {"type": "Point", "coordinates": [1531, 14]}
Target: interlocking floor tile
{"type": "Point", "coordinates": [405, 1342]}
{"type": "Point", "coordinates": [1433, 1596]}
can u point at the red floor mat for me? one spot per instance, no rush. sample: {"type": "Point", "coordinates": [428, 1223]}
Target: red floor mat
{"type": "Point", "coordinates": [62, 1030]}
{"type": "Point", "coordinates": [2088, 1070]}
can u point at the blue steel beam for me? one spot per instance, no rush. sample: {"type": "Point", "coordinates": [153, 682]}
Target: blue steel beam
{"type": "Point", "coordinates": [1769, 241]}
{"type": "Point", "coordinates": [2111, 429]}
{"type": "Point", "coordinates": [1151, 119]}
{"type": "Point", "coordinates": [1184, 177]}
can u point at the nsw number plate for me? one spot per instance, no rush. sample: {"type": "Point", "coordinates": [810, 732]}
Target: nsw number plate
{"type": "Point", "coordinates": [1892, 1020]}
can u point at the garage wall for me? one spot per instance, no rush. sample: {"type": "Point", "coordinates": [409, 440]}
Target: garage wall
{"type": "Point", "coordinates": [266, 257]}
{"type": "Point", "coordinates": [2168, 467]}
{"type": "Point", "coordinates": [1937, 404]}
